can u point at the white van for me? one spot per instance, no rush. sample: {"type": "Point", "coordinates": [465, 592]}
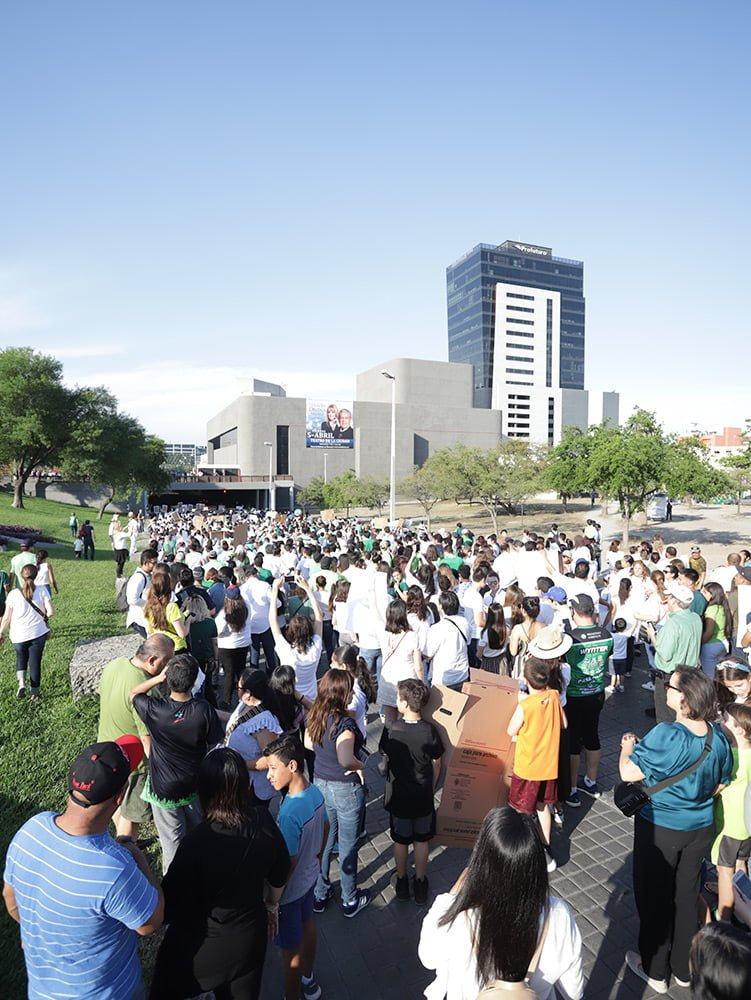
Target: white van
{"type": "Point", "coordinates": [657, 508]}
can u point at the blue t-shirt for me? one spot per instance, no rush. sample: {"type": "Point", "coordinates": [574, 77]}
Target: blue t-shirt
{"type": "Point", "coordinates": [301, 819]}
{"type": "Point", "coordinates": [668, 749]}
{"type": "Point", "coordinates": [79, 900]}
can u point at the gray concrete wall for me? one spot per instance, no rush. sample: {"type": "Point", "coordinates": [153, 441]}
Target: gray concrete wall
{"type": "Point", "coordinates": [417, 381]}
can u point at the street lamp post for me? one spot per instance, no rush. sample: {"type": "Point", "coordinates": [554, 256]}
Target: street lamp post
{"type": "Point", "coordinates": [325, 467]}
{"type": "Point", "coordinates": [392, 473]}
{"type": "Point", "coordinates": [269, 445]}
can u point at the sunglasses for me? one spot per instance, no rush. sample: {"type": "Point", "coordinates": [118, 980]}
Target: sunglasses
{"type": "Point", "coordinates": [671, 687]}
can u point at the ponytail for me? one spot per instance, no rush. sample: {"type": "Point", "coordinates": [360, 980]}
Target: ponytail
{"type": "Point", "coordinates": [28, 575]}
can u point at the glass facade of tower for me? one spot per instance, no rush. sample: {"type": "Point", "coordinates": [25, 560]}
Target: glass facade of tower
{"type": "Point", "coordinates": [470, 287]}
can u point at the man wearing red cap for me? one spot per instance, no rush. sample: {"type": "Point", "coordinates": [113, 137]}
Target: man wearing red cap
{"type": "Point", "coordinates": [80, 897]}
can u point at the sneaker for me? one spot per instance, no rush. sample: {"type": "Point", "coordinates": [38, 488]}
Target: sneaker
{"type": "Point", "coordinates": [21, 693]}
{"type": "Point", "coordinates": [633, 961]}
{"type": "Point", "coordinates": [420, 887]}
{"type": "Point", "coordinates": [608, 691]}
{"type": "Point", "coordinates": [552, 863]}
{"type": "Point", "coordinates": [649, 686]}
{"type": "Point", "coordinates": [402, 888]}
{"type": "Point", "coordinates": [319, 902]}
{"type": "Point", "coordinates": [681, 982]}
{"type": "Point", "coordinates": [621, 688]}
{"type": "Point", "coordinates": [310, 990]}
{"type": "Point", "coordinates": [589, 789]}
{"type": "Point", "coordinates": [360, 901]}
{"type": "Point", "coordinates": [573, 799]}
{"type": "Point", "coordinates": [558, 817]}
{"type": "Point", "coordinates": [35, 695]}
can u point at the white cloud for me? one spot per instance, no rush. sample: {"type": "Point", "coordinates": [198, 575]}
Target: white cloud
{"type": "Point", "coordinates": [176, 400]}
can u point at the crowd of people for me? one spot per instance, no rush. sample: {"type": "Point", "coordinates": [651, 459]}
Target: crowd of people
{"type": "Point", "coordinates": [268, 644]}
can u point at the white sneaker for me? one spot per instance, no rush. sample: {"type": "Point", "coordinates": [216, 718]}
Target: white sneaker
{"type": "Point", "coordinates": [621, 688]}
{"type": "Point", "coordinates": [633, 961]}
{"type": "Point", "coordinates": [649, 686]}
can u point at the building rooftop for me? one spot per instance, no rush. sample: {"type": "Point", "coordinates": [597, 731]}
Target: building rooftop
{"type": "Point", "coordinates": [527, 249]}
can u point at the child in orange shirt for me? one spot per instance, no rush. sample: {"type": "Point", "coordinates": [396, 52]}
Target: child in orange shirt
{"type": "Point", "coordinates": [537, 724]}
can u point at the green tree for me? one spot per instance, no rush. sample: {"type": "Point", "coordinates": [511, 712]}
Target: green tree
{"type": "Point", "coordinates": [568, 470]}
{"type": "Point", "coordinates": [689, 473]}
{"type": "Point", "coordinates": [629, 463]}
{"type": "Point", "coordinates": [38, 414]}
{"type": "Point", "coordinates": [111, 448]}
{"type": "Point", "coordinates": [427, 485]}
{"type": "Point", "coordinates": [738, 468]}
{"type": "Point", "coordinates": [373, 493]}
{"type": "Point", "coordinates": [312, 495]}
{"type": "Point", "coordinates": [342, 492]}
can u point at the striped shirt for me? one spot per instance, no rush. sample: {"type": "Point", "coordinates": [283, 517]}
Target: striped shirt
{"type": "Point", "coordinates": [79, 900]}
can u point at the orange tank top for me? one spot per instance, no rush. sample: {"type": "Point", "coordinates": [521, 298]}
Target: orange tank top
{"type": "Point", "coordinates": [537, 742]}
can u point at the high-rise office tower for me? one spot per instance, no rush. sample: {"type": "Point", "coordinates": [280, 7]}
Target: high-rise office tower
{"type": "Point", "coordinates": [516, 313]}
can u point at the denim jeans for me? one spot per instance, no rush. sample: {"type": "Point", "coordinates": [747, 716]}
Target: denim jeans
{"type": "Point", "coordinates": [29, 655]}
{"type": "Point", "coordinates": [710, 655]}
{"type": "Point", "coordinates": [345, 804]}
{"type": "Point", "coordinates": [373, 660]}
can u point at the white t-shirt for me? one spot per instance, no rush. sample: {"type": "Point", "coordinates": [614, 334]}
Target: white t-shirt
{"type": "Point", "coordinates": [421, 628]}
{"type": "Point", "coordinates": [26, 623]}
{"type": "Point", "coordinates": [257, 595]}
{"type": "Point", "coordinates": [447, 646]}
{"type": "Point", "coordinates": [398, 651]}
{"type": "Point", "coordinates": [229, 639]}
{"type": "Point", "coordinates": [449, 950]}
{"type": "Point", "coordinates": [472, 602]}
{"type": "Point", "coordinates": [358, 706]}
{"type": "Point", "coordinates": [304, 664]}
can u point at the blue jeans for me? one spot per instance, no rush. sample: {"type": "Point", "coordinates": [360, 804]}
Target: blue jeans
{"type": "Point", "coordinates": [373, 660]}
{"type": "Point", "coordinates": [345, 805]}
{"type": "Point", "coordinates": [710, 655]}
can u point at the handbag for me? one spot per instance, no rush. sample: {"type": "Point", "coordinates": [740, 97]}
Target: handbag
{"type": "Point", "coordinates": [631, 796]}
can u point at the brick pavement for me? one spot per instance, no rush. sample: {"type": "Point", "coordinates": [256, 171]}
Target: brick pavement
{"type": "Point", "coordinates": [374, 955]}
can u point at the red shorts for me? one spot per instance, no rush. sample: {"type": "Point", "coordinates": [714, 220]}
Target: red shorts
{"type": "Point", "coordinates": [525, 796]}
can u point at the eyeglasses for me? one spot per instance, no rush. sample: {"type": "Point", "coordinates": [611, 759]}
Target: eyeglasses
{"type": "Point", "coordinates": [671, 687]}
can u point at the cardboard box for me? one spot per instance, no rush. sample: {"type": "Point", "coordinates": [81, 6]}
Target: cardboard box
{"type": "Point", "coordinates": [479, 754]}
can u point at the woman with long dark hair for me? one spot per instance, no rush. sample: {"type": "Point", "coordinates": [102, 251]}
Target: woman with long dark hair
{"type": "Point", "coordinates": [489, 927]}
{"type": "Point", "coordinates": [493, 643]}
{"type": "Point", "coordinates": [400, 653]}
{"type": "Point", "coordinates": [233, 640]}
{"type": "Point", "coordinates": [251, 727]}
{"type": "Point", "coordinates": [717, 628]}
{"type": "Point", "coordinates": [303, 645]}
{"type": "Point", "coordinates": [347, 657]}
{"type": "Point", "coordinates": [162, 613]}
{"type": "Point", "coordinates": [27, 609]}
{"type": "Point", "coordinates": [524, 631]}
{"type": "Point", "coordinates": [338, 744]}
{"type": "Point", "coordinates": [222, 891]}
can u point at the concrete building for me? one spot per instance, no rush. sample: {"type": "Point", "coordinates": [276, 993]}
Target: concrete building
{"type": "Point", "coordinates": [260, 439]}
{"type": "Point", "coordinates": [516, 314]}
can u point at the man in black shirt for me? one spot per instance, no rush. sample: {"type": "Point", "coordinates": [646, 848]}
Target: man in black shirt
{"type": "Point", "coordinates": [182, 730]}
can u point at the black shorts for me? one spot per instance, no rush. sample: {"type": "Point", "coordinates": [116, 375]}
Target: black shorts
{"type": "Point", "coordinates": [583, 717]}
{"type": "Point", "coordinates": [732, 850]}
{"type": "Point", "coordinates": [416, 830]}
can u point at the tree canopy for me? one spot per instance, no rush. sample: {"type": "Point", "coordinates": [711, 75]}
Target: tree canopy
{"type": "Point", "coordinates": [79, 429]}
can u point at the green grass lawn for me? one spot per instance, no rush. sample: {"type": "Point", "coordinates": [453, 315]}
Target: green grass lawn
{"type": "Point", "coordinates": [38, 741]}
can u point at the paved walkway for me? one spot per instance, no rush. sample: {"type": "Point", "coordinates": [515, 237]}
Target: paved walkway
{"type": "Point", "coordinates": [374, 955]}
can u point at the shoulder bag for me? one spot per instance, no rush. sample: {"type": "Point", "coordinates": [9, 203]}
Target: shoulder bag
{"type": "Point", "coordinates": [631, 796]}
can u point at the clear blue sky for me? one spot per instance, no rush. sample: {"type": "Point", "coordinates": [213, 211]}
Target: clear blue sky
{"type": "Point", "coordinates": [192, 191]}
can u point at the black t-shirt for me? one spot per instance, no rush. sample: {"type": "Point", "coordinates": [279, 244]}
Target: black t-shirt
{"type": "Point", "coordinates": [216, 880]}
{"type": "Point", "coordinates": [411, 748]}
{"type": "Point", "coordinates": [181, 733]}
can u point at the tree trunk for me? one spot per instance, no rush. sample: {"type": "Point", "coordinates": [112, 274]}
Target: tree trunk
{"type": "Point", "coordinates": [737, 506]}
{"type": "Point", "coordinates": [105, 505]}
{"type": "Point", "coordinates": [627, 516]}
{"type": "Point", "coordinates": [20, 483]}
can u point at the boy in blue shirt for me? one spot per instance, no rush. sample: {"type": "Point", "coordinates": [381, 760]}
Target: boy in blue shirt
{"type": "Point", "coordinates": [302, 820]}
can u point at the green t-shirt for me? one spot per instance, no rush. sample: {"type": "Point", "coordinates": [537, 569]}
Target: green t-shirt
{"type": "Point", "coordinates": [678, 641]}
{"type": "Point", "coordinates": [588, 659]}
{"type": "Point", "coordinates": [453, 562]}
{"type": "Point", "coordinates": [367, 544]}
{"type": "Point", "coordinates": [18, 562]}
{"type": "Point", "coordinates": [4, 581]}
{"type": "Point", "coordinates": [728, 810]}
{"type": "Point", "coordinates": [717, 614]}
{"type": "Point", "coordinates": [200, 639]}
{"type": "Point", "coordinates": [117, 717]}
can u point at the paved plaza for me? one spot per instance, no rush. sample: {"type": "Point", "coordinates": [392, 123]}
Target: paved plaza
{"type": "Point", "coordinates": [374, 955]}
